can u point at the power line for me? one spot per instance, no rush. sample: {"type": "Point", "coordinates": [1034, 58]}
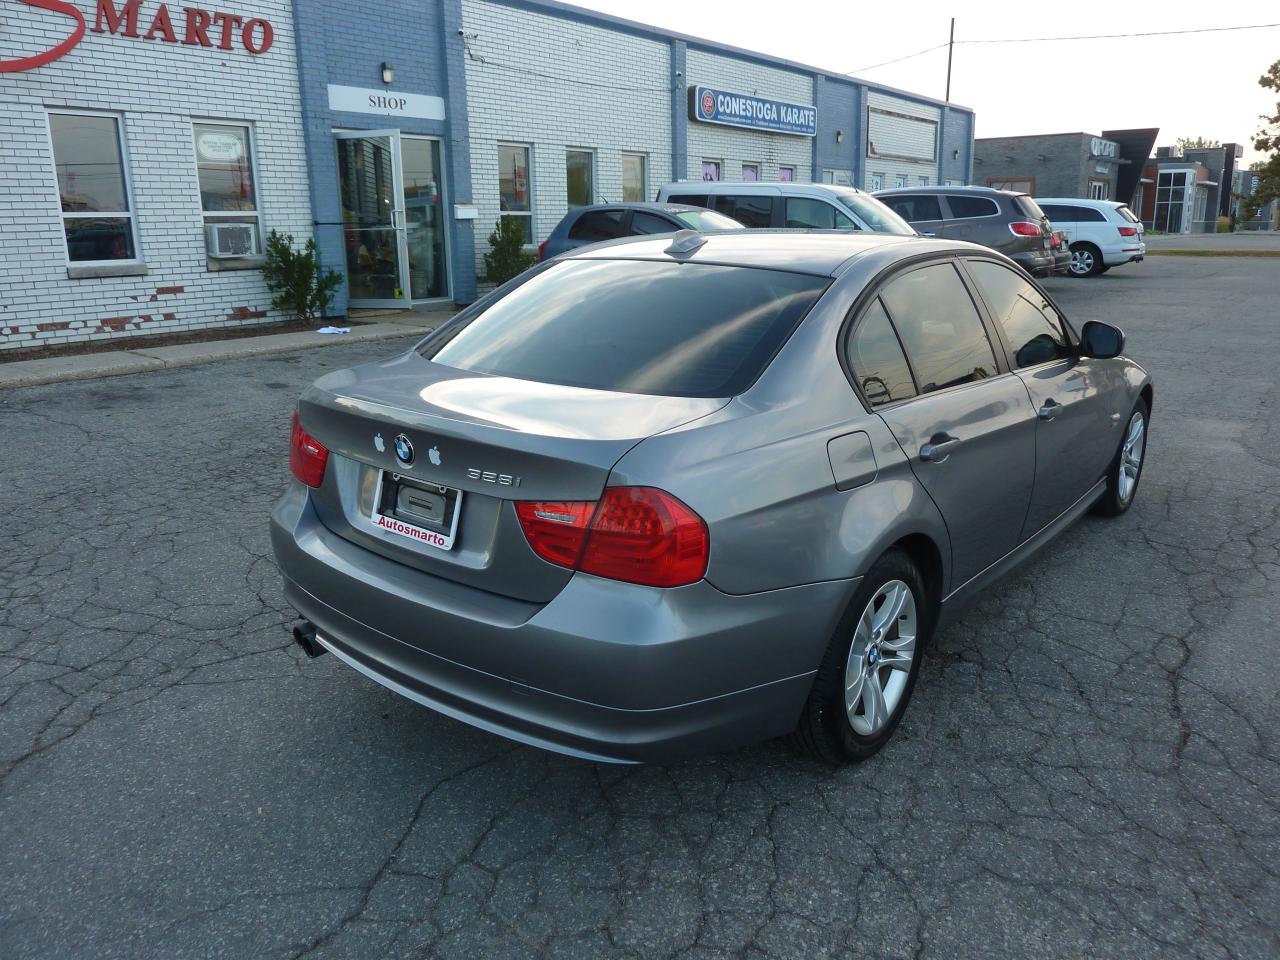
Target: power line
{"type": "Point", "coordinates": [1095, 36]}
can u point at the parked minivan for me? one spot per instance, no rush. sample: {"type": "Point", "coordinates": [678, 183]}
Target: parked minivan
{"type": "Point", "coordinates": [1101, 233]}
{"type": "Point", "coordinates": [804, 206]}
{"type": "Point", "coordinates": [1000, 219]}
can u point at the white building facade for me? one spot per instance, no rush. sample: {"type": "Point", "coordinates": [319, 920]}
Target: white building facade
{"type": "Point", "coordinates": [148, 150]}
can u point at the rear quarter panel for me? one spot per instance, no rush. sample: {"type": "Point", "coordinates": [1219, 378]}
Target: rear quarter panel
{"type": "Point", "coordinates": [758, 471]}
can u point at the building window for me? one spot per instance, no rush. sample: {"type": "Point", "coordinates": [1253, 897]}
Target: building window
{"type": "Point", "coordinates": [579, 177]}
{"type": "Point", "coordinates": [1098, 189]}
{"type": "Point", "coordinates": [710, 169]}
{"type": "Point", "coordinates": [786, 174]}
{"type": "Point", "coordinates": [750, 172]}
{"type": "Point", "coordinates": [899, 181]}
{"type": "Point", "coordinates": [634, 186]}
{"type": "Point", "coordinates": [877, 181]}
{"type": "Point", "coordinates": [922, 181]}
{"type": "Point", "coordinates": [514, 199]}
{"type": "Point", "coordinates": [228, 198]}
{"type": "Point", "coordinates": [93, 186]}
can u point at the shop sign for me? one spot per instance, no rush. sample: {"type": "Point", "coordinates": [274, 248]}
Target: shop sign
{"type": "Point", "coordinates": [191, 27]}
{"type": "Point", "coordinates": [219, 147]}
{"type": "Point", "coordinates": [708, 105]}
{"type": "Point", "coordinates": [1103, 148]}
{"type": "Point", "coordinates": [385, 102]}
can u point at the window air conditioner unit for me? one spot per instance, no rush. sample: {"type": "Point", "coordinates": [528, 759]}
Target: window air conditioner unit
{"type": "Point", "coordinates": [231, 239]}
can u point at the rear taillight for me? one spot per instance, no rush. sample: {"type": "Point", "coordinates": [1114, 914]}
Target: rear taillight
{"type": "Point", "coordinates": [1025, 228]}
{"type": "Point", "coordinates": [636, 534]}
{"type": "Point", "coordinates": [1128, 231]}
{"type": "Point", "coordinates": [542, 249]}
{"type": "Point", "coordinates": [307, 455]}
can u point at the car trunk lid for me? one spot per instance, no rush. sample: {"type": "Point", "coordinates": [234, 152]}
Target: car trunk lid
{"type": "Point", "coordinates": [494, 440]}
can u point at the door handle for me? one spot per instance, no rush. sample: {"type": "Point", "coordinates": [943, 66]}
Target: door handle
{"type": "Point", "coordinates": [939, 447]}
{"type": "Point", "coordinates": [1049, 409]}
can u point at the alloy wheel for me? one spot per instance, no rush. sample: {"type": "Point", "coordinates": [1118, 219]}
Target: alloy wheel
{"type": "Point", "coordinates": [879, 664]}
{"type": "Point", "coordinates": [1081, 262]}
{"type": "Point", "coordinates": [1135, 444]}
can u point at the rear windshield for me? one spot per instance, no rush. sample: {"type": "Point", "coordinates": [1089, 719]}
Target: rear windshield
{"type": "Point", "coordinates": [632, 326]}
{"type": "Point", "coordinates": [707, 220]}
{"type": "Point", "coordinates": [1127, 214]}
{"type": "Point", "coordinates": [878, 217]}
{"type": "Point", "coordinates": [1028, 207]}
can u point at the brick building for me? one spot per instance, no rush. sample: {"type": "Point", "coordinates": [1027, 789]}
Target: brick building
{"type": "Point", "coordinates": [149, 147]}
{"type": "Point", "coordinates": [141, 143]}
{"type": "Point", "coordinates": [529, 107]}
{"type": "Point", "coordinates": [1085, 165]}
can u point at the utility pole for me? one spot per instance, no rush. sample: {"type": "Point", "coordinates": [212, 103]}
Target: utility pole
{"type": "Point", "coordinates": [951, 43]}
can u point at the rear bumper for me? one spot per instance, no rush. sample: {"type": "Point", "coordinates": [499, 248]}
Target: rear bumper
{"type": "Point", "coordinates": [1036, 264]}
{"type": "Point", "coordinates": [605, 671]}
{"type": "Point", "coordinates": [1130, 253]}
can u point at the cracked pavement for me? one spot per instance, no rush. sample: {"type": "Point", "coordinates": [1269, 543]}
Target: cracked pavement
{"type": "Point", "coordinates": [1089, 767]}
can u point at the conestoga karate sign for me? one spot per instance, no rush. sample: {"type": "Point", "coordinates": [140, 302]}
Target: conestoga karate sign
{"type": "Point", "coordinates": [708, 105]}
{"type": "Point", "coordinates": [191, 26]}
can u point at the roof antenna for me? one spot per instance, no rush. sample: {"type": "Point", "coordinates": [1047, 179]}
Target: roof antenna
{"type": "Point", "coordinates": [685, 243]}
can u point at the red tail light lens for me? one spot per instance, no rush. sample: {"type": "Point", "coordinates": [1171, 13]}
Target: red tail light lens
{"type": "Point", "coordinates": [307, 455]}
{"type": "Point", "coordinates": [556, 529]}
{"type": "Point", "coordinates": [542, 249]}
{"type": "Point", "coordinates": [1128, 231]}
{"type": "Point", "coordinates": [1025, 228]}
{"type": "Point", "coordinates": [636, 534]}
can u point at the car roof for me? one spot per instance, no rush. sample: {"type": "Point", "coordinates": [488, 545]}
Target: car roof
{"type": "Point", "coordinates": [819, 252]}
{"type": "Point", "coordinates": [638, 205]}
{"type": "Point", "coordinates": [957, 188]}
{"type": "Point", "coordinates": [1082, 201]}
{"type": "Point", "coordinates": [754, 186]}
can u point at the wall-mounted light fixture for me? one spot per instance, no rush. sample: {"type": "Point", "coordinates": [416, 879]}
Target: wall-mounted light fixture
{"type": "Point", "coordinates": [839, 136]}
{"type": "Point", "coordinates": [387, 74]}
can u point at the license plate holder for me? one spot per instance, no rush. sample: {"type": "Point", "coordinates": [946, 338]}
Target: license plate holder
{"type": "Point", "coordinates": [425, 513]}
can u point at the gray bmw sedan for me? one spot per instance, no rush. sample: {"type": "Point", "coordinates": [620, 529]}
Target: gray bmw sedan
{"type": "Point", "coordinates": [670, 495]}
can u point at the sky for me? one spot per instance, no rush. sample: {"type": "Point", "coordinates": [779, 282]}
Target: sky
{"type": "Point", "coordinates": [1197, 85]}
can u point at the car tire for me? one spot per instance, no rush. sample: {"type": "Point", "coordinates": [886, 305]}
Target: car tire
{"type": "Point", "coordinates": [1125, 470]}
{"type": "Point", "coordinates": [1086, 260]}
{"type": "Point", "coordinates": [868, 647]}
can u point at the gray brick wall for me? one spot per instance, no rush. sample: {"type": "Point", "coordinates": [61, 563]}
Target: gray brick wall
{"type": "Point", "coordinates": [1060, 163]}
{"type": "Point", "coordinates": [733, 146]}
{"type": "Point", "coordinates": [157, 89]}
{"type": "Point", "coordinates": [555, 83]}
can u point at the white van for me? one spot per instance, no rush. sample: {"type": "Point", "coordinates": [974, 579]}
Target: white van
{"type": "Point", "coordinates": [806, 206]}
{"type": "Point", "coordinates": [1101, 233]}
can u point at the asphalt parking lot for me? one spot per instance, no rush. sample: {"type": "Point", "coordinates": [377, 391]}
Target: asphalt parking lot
{"type": "Point", "coordinates": [1090, 766]}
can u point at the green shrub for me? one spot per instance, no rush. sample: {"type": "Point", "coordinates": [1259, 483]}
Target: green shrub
{"type": "Point", "coordinates": [1224, 225]}
{"type": "Point", "coordinates": [299, 285]}
{"type": "Point", "coordinates": [506, 257]}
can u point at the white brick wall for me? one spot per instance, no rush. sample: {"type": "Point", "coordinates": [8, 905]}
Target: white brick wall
{"type": "Point", "coordinates": [519, 91]}
{"type": "Point", "coordinates": [157, 88]}
{"type": "Point", "coordinates": [904, 136]}
{"type": "Point", "coordinates": [733, 146]}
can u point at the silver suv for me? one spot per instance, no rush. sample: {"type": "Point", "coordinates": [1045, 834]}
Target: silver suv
{"type": "Point", "coordinates": [1000, 219]}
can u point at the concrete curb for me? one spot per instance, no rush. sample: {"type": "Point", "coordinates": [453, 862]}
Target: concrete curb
{"type": "Point", "coordinates": [90, 366]}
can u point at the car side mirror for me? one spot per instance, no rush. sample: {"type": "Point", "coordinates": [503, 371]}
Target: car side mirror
{"type": "Point", "coordinates": [1101, 340]}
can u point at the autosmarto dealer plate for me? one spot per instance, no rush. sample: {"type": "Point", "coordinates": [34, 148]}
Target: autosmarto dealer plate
{"type": "Point", "coordinates": [424, 512]}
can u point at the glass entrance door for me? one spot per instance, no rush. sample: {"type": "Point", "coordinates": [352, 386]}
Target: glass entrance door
{"type": "Point", "coordinates": [373, 218]}
{"type": "Point", "coordinates": [424, 218]}
{"type": "Point", "coordinates": [393, 218]}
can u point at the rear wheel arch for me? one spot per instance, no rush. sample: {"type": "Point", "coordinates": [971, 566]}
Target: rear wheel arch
{"type": "Point", "coordinates": [1148, 394]}
{"type": "Point", "coordinates": [927, 557]}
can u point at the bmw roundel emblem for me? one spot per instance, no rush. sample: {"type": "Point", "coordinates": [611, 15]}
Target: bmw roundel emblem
{"type": "Point", "coordinates": [708, 103]}
{"type": "Point", "coordinates": [404, 449]}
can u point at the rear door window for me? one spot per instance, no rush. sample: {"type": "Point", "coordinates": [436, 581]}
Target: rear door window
{"type": "Point", "coordinates": [633, 326]}
{"type": "Point", "coordinates": [964, 208]}
{"type": "Point", "coordinates": [877, 360]}
{"type": "Point", "coordinates": [1029, 322]}
{"type": "Point", "coordinates": [750, 211]}
{"type": "Point", "coordinates": [810, 214]}
{"type": "Point", "coordinates": [597, 225]}
{"type": "Point", "coordinates": [642, 223]}
{"type": "Point", "coordinates": [940, 327]}
{"type": "Point", "coordinates": [915, 209]}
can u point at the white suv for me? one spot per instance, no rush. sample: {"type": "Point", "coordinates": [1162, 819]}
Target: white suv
{"type": "Point", "coordinates": [1101, 233]}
